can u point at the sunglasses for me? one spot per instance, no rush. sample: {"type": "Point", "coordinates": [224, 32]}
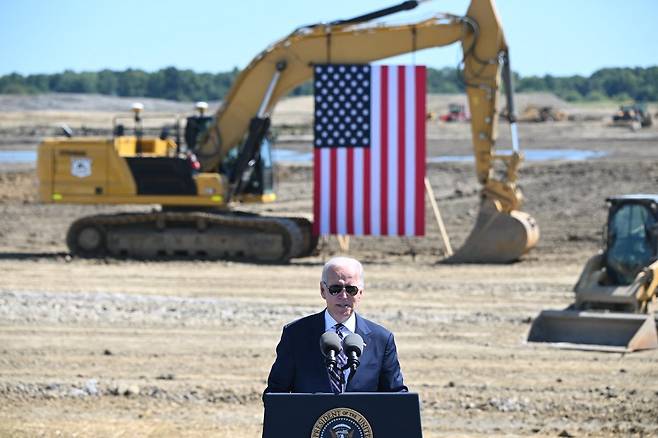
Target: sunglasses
{"type": "Point", "coordinates": [335, 289]}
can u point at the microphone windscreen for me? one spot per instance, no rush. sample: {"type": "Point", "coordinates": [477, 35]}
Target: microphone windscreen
{"type": "Point", "coordinates": [329, 341]}
{"type": "Point", "coordinates": [353, 342]}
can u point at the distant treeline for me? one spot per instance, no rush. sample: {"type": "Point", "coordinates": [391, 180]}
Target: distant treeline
{"type": "Point", "coordinates": [640, 84]}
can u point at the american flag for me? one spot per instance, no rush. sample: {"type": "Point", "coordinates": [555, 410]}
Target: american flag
{"type": "Point", "coordinates": [369, 154]}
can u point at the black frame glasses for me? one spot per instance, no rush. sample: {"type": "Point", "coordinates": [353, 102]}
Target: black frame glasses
{"type": "Point", "coordinates": [335, 289]}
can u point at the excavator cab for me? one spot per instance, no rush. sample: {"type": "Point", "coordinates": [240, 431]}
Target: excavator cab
{"type": "Point", "coordinates": [616, 292]}
{"type": "Point", "coordinates": [259, 185]}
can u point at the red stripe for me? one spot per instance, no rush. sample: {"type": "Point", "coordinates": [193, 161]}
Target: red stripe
{"type": "Point", "coordinates": [366, 191]}
{"type": "Point", "coordinates": [421, 73]}
{"type": "Point", "coordinates": [384, 150]}
{"type": "Point", "coordinates": [317, 166]}
{"type": "Point", "coordinates": [350, 190]}
{"type": "Point", "coordinates": [333, 191]}
{"type": "Point", "coordinates": [401, 148]}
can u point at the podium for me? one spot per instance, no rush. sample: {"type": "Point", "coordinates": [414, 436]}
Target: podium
{"type": "Point", "coordinates": [351, 414]}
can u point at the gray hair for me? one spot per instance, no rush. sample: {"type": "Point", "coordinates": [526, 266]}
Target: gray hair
{"type": "Point", "coordinates": [342, 261]}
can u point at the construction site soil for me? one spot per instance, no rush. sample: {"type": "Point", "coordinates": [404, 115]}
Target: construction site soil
{"type": "Point", "coordinates": [183, 348]}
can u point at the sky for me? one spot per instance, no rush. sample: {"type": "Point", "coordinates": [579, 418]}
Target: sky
{"type": "Point", "coordinates": [557, 37]}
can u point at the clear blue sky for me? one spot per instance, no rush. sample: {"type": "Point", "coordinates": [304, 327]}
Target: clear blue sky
{"type": "Point", "coordinates": [559, 37]}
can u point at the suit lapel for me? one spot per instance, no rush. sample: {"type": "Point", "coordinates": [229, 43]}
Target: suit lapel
{"type": "Point", "coordinates": [319, 368]}
{"type": "Point", "coordinates": [363, 330]}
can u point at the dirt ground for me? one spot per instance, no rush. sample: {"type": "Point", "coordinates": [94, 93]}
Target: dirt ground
{"type": "Point", "coordinates": [182, 348]}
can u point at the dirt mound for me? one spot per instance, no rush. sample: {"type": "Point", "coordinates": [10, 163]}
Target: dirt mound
{"type": "Point", "coordinates": [90, 102]}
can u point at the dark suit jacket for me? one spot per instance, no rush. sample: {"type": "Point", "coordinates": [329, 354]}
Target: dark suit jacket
{"type": "Point", "coordinates": [299, 364]}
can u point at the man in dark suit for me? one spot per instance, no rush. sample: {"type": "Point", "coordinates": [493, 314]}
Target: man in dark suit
{"type": "Point", "coordinates": [299, 364]}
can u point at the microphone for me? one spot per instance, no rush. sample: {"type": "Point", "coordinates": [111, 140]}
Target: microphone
{"type": "Point", "coordinates": [353, 346]}
{"type": "Point", "coordinates": [330, 347]}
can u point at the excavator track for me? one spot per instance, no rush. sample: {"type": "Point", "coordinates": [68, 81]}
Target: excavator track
{"type": "Point", "coordinates": [158, 235]}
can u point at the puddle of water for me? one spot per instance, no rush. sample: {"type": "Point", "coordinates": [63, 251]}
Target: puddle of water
{"type": "Point", "coordinates": [530, 155]}
{"type": "Point", "coordinates": [286, 155]}
{"type": "Point", "coordinates": [18, 156]}
{"type": "Point", "coordinates": [290, 156]}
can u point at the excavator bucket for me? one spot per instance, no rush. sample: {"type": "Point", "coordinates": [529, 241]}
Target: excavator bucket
{"type": "Point", "coordinates": [602, 331]}
{"type": "Point", "coordinates": [498, 237]}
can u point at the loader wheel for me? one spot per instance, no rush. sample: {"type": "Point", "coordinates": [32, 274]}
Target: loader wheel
{"type": "Point", "coordinates": [86, 240]}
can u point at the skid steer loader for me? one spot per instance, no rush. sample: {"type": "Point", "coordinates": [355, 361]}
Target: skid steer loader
{"type": "Point", "coordinates": [616, 293]}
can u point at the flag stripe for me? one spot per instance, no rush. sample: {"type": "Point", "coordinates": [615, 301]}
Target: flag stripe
{"type": "Point", "coordinates": [349, 196]}
{"type": "Point", "coordinates": [409, 152]}
{"type": "Point", "coordinates": [367, 207]}
{"type": "Point", "coordinates": [333, 183]}
{"type": "Point", "coordinates": [317, 185]}
{"type": "Point", "coordinates": [392, 158]}
{"type": "Point", "coordinates": [401, 124]}
{"type": "Point", "coordinates": [421, 81]}
{"type": "Point", "coordinates": [341, 203]}
{"type": "Point", "coordinates": [325, 168]}
{"type": "Point", "coordinates": [383, 149]}
{"type": "Point", "coordinates": [359, 182]}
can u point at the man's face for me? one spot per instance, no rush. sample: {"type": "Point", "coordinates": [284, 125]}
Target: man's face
{"type": "Point", "coordinates": [342, 305]}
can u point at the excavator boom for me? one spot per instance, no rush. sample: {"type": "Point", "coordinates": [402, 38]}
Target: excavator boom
{"type": "Point", "coordinates": [501, 233]}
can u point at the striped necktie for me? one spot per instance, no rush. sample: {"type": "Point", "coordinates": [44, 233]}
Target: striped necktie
{"type": "Point", "coordinates": [336, 375]}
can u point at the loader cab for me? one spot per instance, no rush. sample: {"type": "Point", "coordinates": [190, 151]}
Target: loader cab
{"type": "Point", "coordinates": [632, 236]}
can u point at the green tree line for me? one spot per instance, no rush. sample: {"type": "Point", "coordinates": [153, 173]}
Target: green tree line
{"type": "Point", "coordinates": [640, 84]}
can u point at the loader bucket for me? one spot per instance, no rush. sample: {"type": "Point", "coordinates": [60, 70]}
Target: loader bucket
{"type": "Point", "coordinates": [602, 331]}
{"type": "Point", "coordinates": [497, 237]}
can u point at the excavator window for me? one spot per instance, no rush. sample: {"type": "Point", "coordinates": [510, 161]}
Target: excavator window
{"type": "Point", "coordinates": [631, 242]}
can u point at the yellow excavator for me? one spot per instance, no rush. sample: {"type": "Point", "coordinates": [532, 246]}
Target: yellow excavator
{"type": "Point", "coordinates": [616, 294]}
{"type": "Point", "coordinates": [226, 159]}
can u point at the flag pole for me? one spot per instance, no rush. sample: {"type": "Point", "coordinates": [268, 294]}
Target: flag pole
{"type": "Point", "coordinates": [437, 216]}
{"type": "Point", "coordinates": [343, 242]}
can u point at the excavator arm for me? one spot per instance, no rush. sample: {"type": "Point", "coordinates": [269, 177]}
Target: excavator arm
{"type": "Point", "coordinates": [502, 233]}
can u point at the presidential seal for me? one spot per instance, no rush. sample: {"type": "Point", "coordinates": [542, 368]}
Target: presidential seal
{"type": "Point", "coordinates": [341, 423]}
